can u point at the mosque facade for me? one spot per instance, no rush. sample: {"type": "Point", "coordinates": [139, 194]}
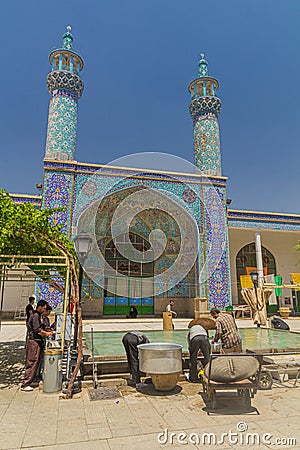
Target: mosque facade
{"type": "Point", "coordinates": [179, 205]}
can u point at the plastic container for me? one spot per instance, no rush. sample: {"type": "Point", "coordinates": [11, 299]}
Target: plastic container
{"type": "Point", "coordinates": [52, 370]}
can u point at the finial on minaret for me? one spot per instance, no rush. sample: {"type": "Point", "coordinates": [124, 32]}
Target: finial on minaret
{"type": "Point", "coordinates": [68, 39]}
{"type": "Point", "coordinates": [202, 66]}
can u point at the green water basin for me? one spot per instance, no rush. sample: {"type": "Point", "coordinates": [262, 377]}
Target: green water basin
{"type": "Point", "coordinates": [108, 343]}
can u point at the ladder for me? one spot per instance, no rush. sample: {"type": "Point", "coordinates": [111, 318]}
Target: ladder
{"type": "Point", "coordinates": [20, 313]}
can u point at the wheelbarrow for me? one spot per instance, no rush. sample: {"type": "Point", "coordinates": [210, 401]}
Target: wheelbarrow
{"type": "Point", "coordinates": [236, 377]}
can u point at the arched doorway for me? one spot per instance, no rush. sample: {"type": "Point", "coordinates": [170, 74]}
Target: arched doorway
{"type": "Point", "coordinates": [135, 284]}
{"type": "Point", "coordinates": [246, 257]}
{"type": "Point", "coordinates": [135, 280]}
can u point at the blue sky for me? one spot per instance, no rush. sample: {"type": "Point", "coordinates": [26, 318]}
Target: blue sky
{"type": "Point", "coordinates": [140, 55]}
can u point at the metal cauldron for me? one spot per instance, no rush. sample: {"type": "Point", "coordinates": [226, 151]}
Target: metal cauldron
{"type": "Point", "coordinates": [163, 362]}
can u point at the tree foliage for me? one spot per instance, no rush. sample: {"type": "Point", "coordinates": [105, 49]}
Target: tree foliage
{"type": "Point", "coordinates": [25, 230]}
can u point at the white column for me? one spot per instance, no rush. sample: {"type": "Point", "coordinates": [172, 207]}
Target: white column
{"type": "Point", "coordinates": [259, 261]}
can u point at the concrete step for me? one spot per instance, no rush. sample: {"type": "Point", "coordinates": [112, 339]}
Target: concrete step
{"type": "Point", "coordinates": [104, 383]}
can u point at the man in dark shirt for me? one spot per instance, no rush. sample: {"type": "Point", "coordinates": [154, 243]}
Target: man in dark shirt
{"type": "Point", "coordinates": [131, 341]}
{"type": "Point", "coordinates": [29, 308]}
{"type": "Point", "coordinates": [197, 340]}
{"type": "Point", "coordinates": [45, 318]}
{"type": "Point", "coordinates": [35, 345]}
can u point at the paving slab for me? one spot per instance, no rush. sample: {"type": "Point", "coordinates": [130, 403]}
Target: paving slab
{"type": "Point", "coordinates": [135, 420]}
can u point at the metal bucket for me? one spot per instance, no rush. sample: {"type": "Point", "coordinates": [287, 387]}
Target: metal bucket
{"type": "Point", "coordinates": [160, 358]}
{"type": "Point", "coordinates": [216, 347]}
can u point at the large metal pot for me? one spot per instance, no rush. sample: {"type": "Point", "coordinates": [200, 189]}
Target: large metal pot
{"type": "Point", "coordinates": [163, 362]}
{"type": "Point", "coordinates": [160, 358]}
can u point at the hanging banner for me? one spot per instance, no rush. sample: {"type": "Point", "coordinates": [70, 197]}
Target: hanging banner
{"type": "Point", "coordinates": [270, 279]}
{"type": "Point", "coordinates": [254, 269]}
{"type": "Point", "coordinates": [296, 279]}
{"type": "Point", "coordinates": [246, 281]}
{"type": "Point", "coordinates": [278, 282]}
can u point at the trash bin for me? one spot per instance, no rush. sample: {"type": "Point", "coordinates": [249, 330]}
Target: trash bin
{"type": "Point", "coordinates": [52, 370]}
{"type": "Point", "coordinates": [167, 321]}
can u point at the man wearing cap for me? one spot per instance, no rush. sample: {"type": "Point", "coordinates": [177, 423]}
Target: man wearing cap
{"type": "Point", "coordinates": [197, 340]}
{"type": "Point", "coordinates": [35, 345]}
{"type": "Point", "coordinates": [226, 331]}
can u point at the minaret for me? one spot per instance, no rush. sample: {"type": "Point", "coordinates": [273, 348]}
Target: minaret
{"type": "Point", "coordinates": [204, 109]}
{"type": "Point", "coordinates": [65, 87]}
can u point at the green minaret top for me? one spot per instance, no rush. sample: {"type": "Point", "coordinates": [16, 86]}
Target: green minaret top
{"type": "Point", "coordinates": [202, 67]}
{"type": "Point", "coordinates": [205, 85]}
{"type": "Point", "coordinates": [65, 57]}
{"type": "Point", "coordinates": [68, 39]}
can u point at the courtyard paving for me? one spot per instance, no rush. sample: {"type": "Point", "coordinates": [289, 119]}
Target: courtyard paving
{"type": "Point", "coordinates": [139, 420]}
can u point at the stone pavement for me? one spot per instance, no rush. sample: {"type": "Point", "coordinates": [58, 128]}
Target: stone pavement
{"type": "Point", "coordinates": [34, 420]}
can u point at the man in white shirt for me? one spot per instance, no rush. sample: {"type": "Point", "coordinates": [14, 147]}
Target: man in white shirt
{"type": "Point", "coordinates": [169, 308]}
{"type": "Point", "coordinates": [198, 340]}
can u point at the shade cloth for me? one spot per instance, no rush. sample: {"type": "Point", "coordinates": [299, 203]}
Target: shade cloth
{"type": "Point", "coordinates": [257, 299]}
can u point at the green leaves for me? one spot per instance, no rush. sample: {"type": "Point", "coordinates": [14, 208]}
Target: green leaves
{"type": "Point", "coordinates": [25, 230]}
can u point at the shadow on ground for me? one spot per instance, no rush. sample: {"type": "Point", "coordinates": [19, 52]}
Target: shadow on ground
{"type": "Point", "coordinates": [12, 357]}
{"type": "Point", "coordinates": [228, 404]}
{"type": "Point", "coordinates": [150, 390]}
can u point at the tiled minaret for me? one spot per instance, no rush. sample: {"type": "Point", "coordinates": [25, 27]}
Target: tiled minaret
{"type": "Point", "coordinates": [65, 87]}
{"type": "Point", "coordinates": [204, 109]}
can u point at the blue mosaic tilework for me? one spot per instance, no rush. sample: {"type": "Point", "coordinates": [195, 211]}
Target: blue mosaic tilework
{"type": "Point", "coordinates": [121, 301]}
{"type": "Point", "coordinates": [180, 289]}
{"type": "Point", "coordinates": [232, 223]}
{"type": "Point", "coordinates": [51, 295]}
{"type": "Point", "coordinates": [36, 201]}
{"type": "Point", "coordinates": [122, 172]}
{"type": "Point", "coordinates": [207, 145]}
{"type": "Point", "coordinates": [180, 192]}
{"type": "Point", "coordinates": [163, 264]}
{"type": "Point", "coordinates": [268, 221]}
{"type": "Point", "coordinates": [205, 105]}
{"type": "Point", "coordinates": [173, 190]}
{"type": "Point", "coordinates": [62, 127]}
{"type": "Point", "coordinates": [147, 301]}
{"type": "Point", "coordinates": [204, 110]}
{"type": "Point", "coordinates": [48, 164]}
{"type": "Point", "coordinates": [57, 188]}
{"type": "Point", "coordinates": [109, 301]}
{"type": "Point", "coordinates": [219, 286]}
{"type": "Point", "coordinates": [135, 301]}
{"type": "Point", "coordinates": [85, 287]}
{"type": "Point", "coordinates": [69, 83]}
{"type": "Point", "coordinates": [97, 291]}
